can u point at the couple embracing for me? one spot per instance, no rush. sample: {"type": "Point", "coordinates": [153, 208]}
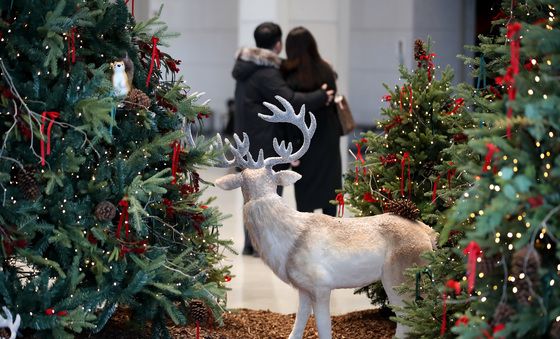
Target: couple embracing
{"type": "Point", "coordinates": [303, 78]}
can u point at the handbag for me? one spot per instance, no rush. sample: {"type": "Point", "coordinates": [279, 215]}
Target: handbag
{"type": "Point", "coordinates": [344, 113]}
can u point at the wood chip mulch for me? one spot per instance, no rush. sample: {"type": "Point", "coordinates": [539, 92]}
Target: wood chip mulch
{"type": "Point", "coordinates": [254, 324]}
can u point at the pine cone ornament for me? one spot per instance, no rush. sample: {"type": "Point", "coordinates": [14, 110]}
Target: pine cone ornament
{"type": "Point", "coordinates": [555, 330]}
{"type": "Point", "coordinates": [137, 99]}
{"type": "Point", "coordinates": [531, 273]}
{"type": "Point", "coordinates": [404, 208]}
{"type": "Point", "coordinates": [198, 311]}
{"type": "Point", "coordinates": [105, 211]}
{"type": "Point", "coordinates": [419, 49]}
{"type": "Point", "coordinates": [24, 178]}
{"type": "Point", "coordinates": [502, 314]}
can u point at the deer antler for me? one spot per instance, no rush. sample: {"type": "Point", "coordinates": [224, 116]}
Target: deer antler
{"type": "Point", "coordinates": [8, 322]}
{"type": "Point", "coordinates": [238, 152]}
{"type": "Point", "coordinates": [241, 156]}
{"type": "Point", "coordinates": [289, 116]}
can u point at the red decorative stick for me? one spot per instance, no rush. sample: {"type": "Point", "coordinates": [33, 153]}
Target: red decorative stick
{"type": "Point", "coordinates": [405, 157]}
{"type": "Point", "coordinates": [50, 116]}
{"type": "Point", "coordinates": [473, 251]}
{"type": "Point", "coordinates": [155, 59]}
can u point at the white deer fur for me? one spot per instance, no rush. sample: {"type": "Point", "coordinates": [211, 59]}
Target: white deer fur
{"type": "Point", "coordinates": [317, 253]}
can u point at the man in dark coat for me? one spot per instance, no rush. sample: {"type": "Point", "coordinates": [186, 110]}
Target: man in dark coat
{"type": "Point", "coordinates": [258, 79]}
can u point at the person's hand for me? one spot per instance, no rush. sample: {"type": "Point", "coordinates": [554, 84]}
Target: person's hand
{"type": "Point", "coordinates": [329, 92]}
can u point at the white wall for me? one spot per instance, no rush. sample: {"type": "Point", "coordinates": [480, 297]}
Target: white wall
{"type": "Point", "coordinates": [378, 27]}
{"type": "Point", "coordinates": [206, 46]}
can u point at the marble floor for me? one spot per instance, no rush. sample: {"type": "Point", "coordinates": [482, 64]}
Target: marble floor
{"type": "Point", "coordinates": [254, 285]}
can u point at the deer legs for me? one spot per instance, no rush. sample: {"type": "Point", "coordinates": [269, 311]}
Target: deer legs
{"type": "Point", "coordinates": [321, 310]}
{"type": "Point", "coordinates": [302, 315]}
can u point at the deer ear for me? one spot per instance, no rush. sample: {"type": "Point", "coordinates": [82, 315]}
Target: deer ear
{"type": "Point", "coordinates": [229, 182]}
{"type": "Point", "coordinates": [286, 178]}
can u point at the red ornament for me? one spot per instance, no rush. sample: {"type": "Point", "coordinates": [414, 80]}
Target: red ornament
{"type": "Point", "coordinates": [203, 207]}
{"type": "Point", "coordinates": [463, 320]}
{"type": "Point", "coordinates": [172, 65]}
{"type": "Point", "coordinates": [369, 198]}
{"type": "Point", "coordinates": [20, 243]}
{"type": "Point", "coordinates": [386, 98]}
{"type": "Point", "coordinates": [388, 160]}
{"type": "Point", "coordinates": [460, 137]}
{"type": "Point", "coordinates": [62, 313]}
{"type": "Point", "coordinates": [227, 278]}
{"type": "Point", "coordinates": [536, 201]}
{"type": "Point", "coordinates": [49, 311]}
{"type": "Point", "coordinates": [91, 238]}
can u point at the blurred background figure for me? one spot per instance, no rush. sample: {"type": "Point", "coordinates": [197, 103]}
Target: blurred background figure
{"type": "Point", "coordinates": [258, 79]}
{"type": "Point", "coordinates": [230, 111]}
{"type": "Point", "coordinates": [305, 71]}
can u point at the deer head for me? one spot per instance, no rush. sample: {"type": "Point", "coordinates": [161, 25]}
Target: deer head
{"type": "Point", "coordinates": [257, 177]}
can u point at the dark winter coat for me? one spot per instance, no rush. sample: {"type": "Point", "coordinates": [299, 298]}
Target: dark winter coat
{"type": "Point", "coordinates": [258, 79]}
{"type": "Point", "coordinates": [320, 167]}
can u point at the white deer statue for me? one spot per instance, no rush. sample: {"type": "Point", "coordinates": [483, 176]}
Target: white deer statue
{"type": "Point", "coordinates": [10, 323]}
{"type": "Point", "coordinates": [317, 253]}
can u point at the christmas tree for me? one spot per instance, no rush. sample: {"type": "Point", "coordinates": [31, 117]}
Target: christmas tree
{"type": "Point", "coordinates": [100, 202]}
{"type": "Point", "coordinates": [415, 160]}
{"type": "Point", "coordinates": [511, 213]}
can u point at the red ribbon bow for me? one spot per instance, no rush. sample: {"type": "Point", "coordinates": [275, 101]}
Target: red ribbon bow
{"type": "Point", "coordinates": [369, 198]}
{"type": "Point", "coordinates": [175, 160]}
{"type": "Point", "coordinates": [50, 116]}
{"type": "Point", "coordinates": [340, 199]}
{"type": "Point", "coordinates": [123, 219]}
{"type": "Point", "coordinates": [72, 45]}
{"type": "Point", "coordinates": [361, 159]}
{"type": "Point", "coordinates": [457, 104]}
{"type": "Point", "coordinates": [388, 160]}
{"type": "Point", "coordinates": [473, 251]}
{"type": "Point", "coordinates": [428, 58]}
{"type": "Point", "coordinates": [395, 122]}
{"type": "Point", "coordinates": [155, 59]}
{"type": "Point", "coordinates": [453, 285]}
{"type": "Point", "coordinates": [405, 157]}
{"type": "Point", "coordinates": [410, 101]}
{"type": "Point", "coordinates": [489, 155]}
{"type": "Point", "coordinates": [463, 320]}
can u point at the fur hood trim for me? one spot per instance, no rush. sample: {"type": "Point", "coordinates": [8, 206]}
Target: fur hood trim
{"type": "Point", "coordinates": [259, 56]}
